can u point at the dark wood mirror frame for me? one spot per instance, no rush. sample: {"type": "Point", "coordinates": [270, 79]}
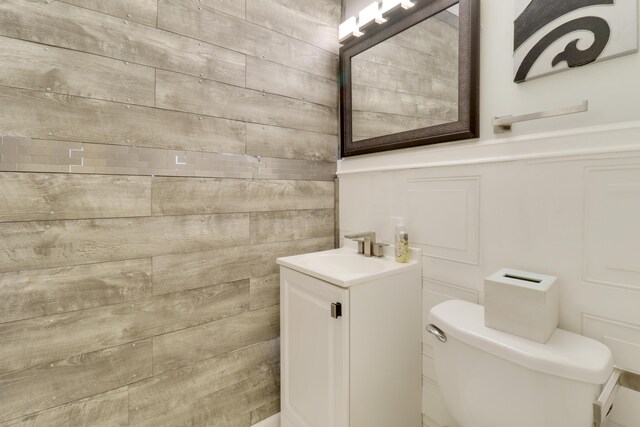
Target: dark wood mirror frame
{"type": "Point", "coordinates": [467, 126]}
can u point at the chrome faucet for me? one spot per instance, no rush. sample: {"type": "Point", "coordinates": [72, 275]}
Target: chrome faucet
{"type": "Point", "coordinates": [367, 244]}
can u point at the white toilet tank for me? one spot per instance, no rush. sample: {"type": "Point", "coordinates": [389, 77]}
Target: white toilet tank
{"type": "Point", "coordinates": [490, 378]}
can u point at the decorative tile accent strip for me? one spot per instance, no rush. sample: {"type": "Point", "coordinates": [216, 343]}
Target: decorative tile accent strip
{"type": "Point", "coordinates": [33, 155]}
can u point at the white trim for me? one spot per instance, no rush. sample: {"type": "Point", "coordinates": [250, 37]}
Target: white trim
{"type": "Point", "coordinates": [591, 140]}
{"type": "Point", "coordinates": [273, 421]}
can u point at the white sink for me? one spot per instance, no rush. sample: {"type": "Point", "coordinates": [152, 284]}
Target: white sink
{"type": "Point", "coordinates": [345, 267]}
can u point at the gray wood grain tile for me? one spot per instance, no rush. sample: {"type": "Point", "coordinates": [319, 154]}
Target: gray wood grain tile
{"type": "Point", "coordinates": [184, 17]}
{"type": "Point", "coordinates": [272, 141]}
{"type": "Point", "coordinates": [327, 11]}
{"type": "Point", "coordinates": [44, 244]}
{"type": "Point", "coordinates": [34, 196]}
{"type": "Point", "coordinates": [35, 293]}
{"type": "Point", "coordinates": [266, 411]}
{"type": "Point", "coordinates": [49, 69]}
{"type": "Point", "coordinates": [64, 335]}
{"type": "Point", "coordinates": [185, 93]}
{"type": "Point", "coordinates": [278, 79]}
{"type": "Point", "coordinates": [178, 196]}
{"type": "Point", "coordinates": [279, 226]}
{"type": "Point", "coordinates": [176, 272]}
{"type": "Point", "coordinates": [294, 22]}
{"type": "Point", "coordinates": [232, 7]}
{"type": "Point", "coordinates": [264, 291]}
{"type": "Point", "coordinates": [142, 11]}
{"type": "Point", "coordinates": [93, 32]}
{"type": "Point", "coordinates": [48, 385]}
{"type": "Point", "coordinates": [106, 409]}
{"type": "Point", "coordinates": [155, 397]}
{"type": "Point", "coordinates": [188, 346]}
{"type": "Point", "coordinates": [230, 407]}
{"type": "Point", "coordinates": [71, 118]}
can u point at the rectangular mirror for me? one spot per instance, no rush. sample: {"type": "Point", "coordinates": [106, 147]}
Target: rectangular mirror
{"type": "Point", "coordinates": [413, 80]}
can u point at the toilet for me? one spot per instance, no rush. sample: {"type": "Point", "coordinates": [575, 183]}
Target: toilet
{"type": "Point", "coordinates": [490, 378]}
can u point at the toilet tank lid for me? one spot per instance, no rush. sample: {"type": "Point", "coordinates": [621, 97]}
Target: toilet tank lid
{"type": "Point", "coordinates": [566, 354]}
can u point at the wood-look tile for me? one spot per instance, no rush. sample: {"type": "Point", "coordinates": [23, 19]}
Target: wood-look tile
{"type": "Point", "coordinates": [179, 196]}
{"type": "Point", "coordinates": [106, 409]}
{"type": "Point", "coordinates": [34, 293]}
{"type": "Point", "coordinates": [266, 411]}
{"type": "Point", "coordinates": [192, 95]}
{"type": "Point", "coordinates": [230, 407]}
{"type": "Point", "coordinates": [50, 69]}
{"type": "Point", "coordinates": [177, 272]}
{"type": "Point", "coordinates": [188, 346]}
{"type": "Point", "coordinates": [272, 141]}
{"type": "Point", "coordinates": [184, 17]}
{"type": "Point", "coordinates": [162, 393]}
{"type": "Point", "coordinates": [265, 255]}
{"type": "Point", "coordinates": [71, 118]}
{"type": "Point", "coordinates": [64, 335]}
{"type": "Point", "coordinates": [141, 300]}
{"type": "Point", "coordinates": [85, 30]}
{"type": "Point", "coordinates": [279, 226]}
{"type": "Point", "coordinates": [294, 22]}
{"type": "Point", "coordinates": [45, 244]}
{"type": "Point", "coordinates": [48, 385]}
{"type": "Point", "coordinates": [281, 80]}
{"type": "Point", "coordinates": [327, 11]}
{"type": "Point", "coordinates": [232, 7]}
{"type": "Point", "coordinates": [36, 196]}
{"type": "Point", "coordinates": [142, 11]}
{"type": "Point", "coordinates": [264, 291]}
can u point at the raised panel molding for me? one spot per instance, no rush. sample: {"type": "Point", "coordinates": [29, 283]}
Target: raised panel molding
{"type": "Point", "coordinates": [433, 403]}
{"type": "Point", "coordinates": [611, 242]}
{"type": "Point", "coordinates": [624, 341]}
{"type": "Point", "coordinates": [448, 224]}
{"type": "Point", "coordinates": [622, 338]}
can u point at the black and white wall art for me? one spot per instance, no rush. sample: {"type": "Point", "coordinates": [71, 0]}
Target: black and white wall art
{"type": "Point", "coordinates": [555, 35]}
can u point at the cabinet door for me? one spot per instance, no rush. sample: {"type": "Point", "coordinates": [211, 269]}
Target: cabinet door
{"type": "Point", "coordinates": [314, 352]}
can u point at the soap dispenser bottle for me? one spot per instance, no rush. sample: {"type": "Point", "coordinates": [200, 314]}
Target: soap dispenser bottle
{"type": "Point", "coordinates": [401, 242]}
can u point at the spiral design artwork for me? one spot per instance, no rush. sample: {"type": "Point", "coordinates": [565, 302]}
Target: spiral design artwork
{"type": "Point", "coordinates": [537, 16]}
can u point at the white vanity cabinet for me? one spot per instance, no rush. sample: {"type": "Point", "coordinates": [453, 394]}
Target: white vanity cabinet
{"type": "Point", "coordinates": [351, 349]}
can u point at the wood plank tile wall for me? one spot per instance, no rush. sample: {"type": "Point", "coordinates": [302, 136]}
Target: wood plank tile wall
{"type": "Point", "coordinates": [153, 300]}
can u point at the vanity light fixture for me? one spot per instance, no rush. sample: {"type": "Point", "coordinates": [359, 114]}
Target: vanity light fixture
{"type": "Point", "coordinates": [375, 13]}
{"type": "Point", "coordinates": [389, 6]}
{"type": "Point", "coordinates": [348, 29]}
{"type": "Point", "coordinates": [370, 15]}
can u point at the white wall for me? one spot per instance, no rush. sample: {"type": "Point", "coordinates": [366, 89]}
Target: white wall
{"type": "Point", "coordinates": [559, 196]}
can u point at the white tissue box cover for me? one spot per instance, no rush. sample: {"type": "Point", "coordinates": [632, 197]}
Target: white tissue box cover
{"type": "Point", "coordinates": [519, 307]}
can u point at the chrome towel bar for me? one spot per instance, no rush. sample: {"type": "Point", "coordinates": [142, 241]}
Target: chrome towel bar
{"type": "Point", "coordinates": [503, 124]}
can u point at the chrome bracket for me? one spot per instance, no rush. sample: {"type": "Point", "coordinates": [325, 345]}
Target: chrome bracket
{"type": "Point", "coordinates": [503, 124]}
{"type": "Point", "coordinates": [603, 405]}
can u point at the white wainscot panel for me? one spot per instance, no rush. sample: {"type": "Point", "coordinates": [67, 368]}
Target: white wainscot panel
{"type": "Point", "coordinates": [624, 341]}
{"type": "Point", "coordinates": [625, 411]}
{"type": "Point", "coordinates": [612, 227]}
{"type": "Point", "coordinates": [365, 204]}
{"type": "Point", "coordinates": [443, 217]}
{"type": "Point", "coordinates": [433, 405]}
{"type": "Point", "coordinates": [622, 338]}
{"type": "Point", "coordinates": [429, 368]}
